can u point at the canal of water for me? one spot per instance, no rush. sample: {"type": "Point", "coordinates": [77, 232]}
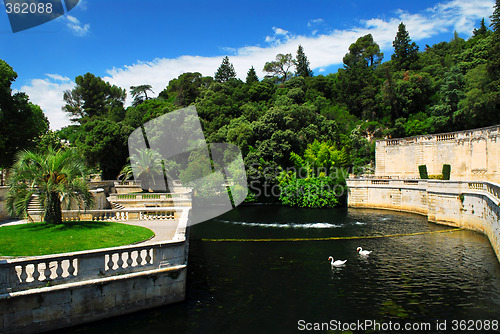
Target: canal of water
{"type": "Point", "coordinates": [279, 287]}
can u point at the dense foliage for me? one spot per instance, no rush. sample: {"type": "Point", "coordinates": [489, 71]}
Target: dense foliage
{"type": "Point", "coordinates": [21, 122]}
{"type": "Point", "coordinates": [445, 87]}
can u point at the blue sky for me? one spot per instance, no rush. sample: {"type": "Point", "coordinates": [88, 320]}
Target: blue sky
{"type": "Point", "coordinates": [130, 42]}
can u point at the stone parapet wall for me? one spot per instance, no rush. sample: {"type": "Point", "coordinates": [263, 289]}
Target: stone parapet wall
{"type": "Point", "coordinates": [472, 154]}
{"type": "Point", "coordinates": [42, 293]}
{"type": "Point", "coordinates": [473, 205]}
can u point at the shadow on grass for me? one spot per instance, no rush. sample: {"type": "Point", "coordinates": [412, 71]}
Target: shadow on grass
{"type": "Point", "coordinates": [66, 226]}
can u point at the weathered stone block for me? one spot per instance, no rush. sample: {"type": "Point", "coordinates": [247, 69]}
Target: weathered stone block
{"type": "Point", "coordinates": [50, 312]}
{"type": "Point", "coordinates": [18, 319]}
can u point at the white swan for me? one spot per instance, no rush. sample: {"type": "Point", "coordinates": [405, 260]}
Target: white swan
{"type": "Point", "coordinates": [363, 252]}
{"type": "Point", "coordinates": [337, 263]}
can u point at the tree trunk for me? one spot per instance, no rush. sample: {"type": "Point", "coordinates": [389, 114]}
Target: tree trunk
{"type": "Point", "coordinates": [53, 213]}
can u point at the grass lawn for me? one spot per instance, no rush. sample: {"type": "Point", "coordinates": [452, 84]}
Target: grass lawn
{"type": "Point", "coordinates": [42, 239]}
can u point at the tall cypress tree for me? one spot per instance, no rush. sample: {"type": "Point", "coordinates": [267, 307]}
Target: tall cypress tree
{"type": "Point", "coordinates": [405, 51]}
{"type": "Point", "coordinates": [225, 71]}
{"type": "Point", "coordinates": [252, 76]}
{"type": "Point", "coordinates": [302, 64]}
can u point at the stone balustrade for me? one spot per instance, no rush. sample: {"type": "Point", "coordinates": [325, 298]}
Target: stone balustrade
{"type": "Point", "coordinates": [132, 200]}
{"type": "Point", "coordinates": [472, 205]}
{"type": "Point", "coordinates": [49, 270]}
{"type": "Point", "coordinates": [133, 213]}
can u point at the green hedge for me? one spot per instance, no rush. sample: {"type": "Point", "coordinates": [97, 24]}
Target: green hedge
{"type": "Point", "coordinates": [422, 169]}
{"type": "Point", "coordinates": [446, 171]}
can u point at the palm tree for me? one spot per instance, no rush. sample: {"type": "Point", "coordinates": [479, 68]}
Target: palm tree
{"type": "Point", "coordinates": [57, 177]}
{"type": "Point", "coordinates": [147, 168]}
{"type": "Point", "coordinates": [138, 91]}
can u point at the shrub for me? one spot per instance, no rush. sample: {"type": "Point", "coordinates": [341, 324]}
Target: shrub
{"type": "Point", "coordinates": [422, 169]}
{"type": "Point", "coordinates": [446, 171]}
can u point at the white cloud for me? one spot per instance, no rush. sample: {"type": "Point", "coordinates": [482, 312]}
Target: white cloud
{"type": "Point", "coordinates": [314, 22]}
{"type": "Point", "coordinates": [48, 94]}
{"type": "Point", "coordinates": [322, 50]}
{"type": "Point", "coordinates": [57, 77]}
{"type": "Point", "coordinates": [279, 31]}
{"type": "Point", "coordinates": [75, 25]}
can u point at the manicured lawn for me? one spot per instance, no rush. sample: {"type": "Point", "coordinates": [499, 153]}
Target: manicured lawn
{"type": "Point", "coordinates": [42, 239]}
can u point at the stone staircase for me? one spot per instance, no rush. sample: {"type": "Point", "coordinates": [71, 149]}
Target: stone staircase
{"type": "Point", "coordinates": [35, 208]}
{"type": "Point", "coordinates": [116, 206]}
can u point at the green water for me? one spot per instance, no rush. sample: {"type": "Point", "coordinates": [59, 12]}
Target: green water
{"type": "Point", "coordinates": [268, 287]}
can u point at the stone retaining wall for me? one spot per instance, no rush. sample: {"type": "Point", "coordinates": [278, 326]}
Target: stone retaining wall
{"type": "Point", "coordinates": [467, 204]}
{"type": "Point", "coordinates": [48, 292]}
{"type": "Point", "coordinates": [472, 154]}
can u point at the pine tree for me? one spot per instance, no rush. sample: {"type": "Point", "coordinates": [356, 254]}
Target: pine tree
{"type": "Point", "coordinates": [494, 52]}
{"type": "Point", "coordinates": [495, 18]}
{"type": "Point", "coordinates": [482, 29]}
{"type": "Point", "coordinates": [225, 71]}
{"type": "Point", "coordinates": [405, 51]}
{"type": "Point", "coordinates": [302, 64]}
{"type": "Point", "coordinates": [252, 76]}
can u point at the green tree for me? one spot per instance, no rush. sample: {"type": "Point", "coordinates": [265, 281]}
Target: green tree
{"type": "Point", "coordinates": [302, 64]}
{"type": "Point", "coordinates": [93, 97]}
{"type": "Point", "coordinates": [363, 53]}
{"type": "Point", "coordinates": [357, 83]}
{"type": "Point", "coordinates": [146, 166]}
{"type": "Point", "coordinates": [251, 76]}
{"type": "Point", "coordinates": [483, 30]}
{"type": "Point", "coordinates": [494, 57]}
{"type": "Point", "coordinates": [225, 71]}
{"type": "Point", "coordinates": [280, 67]}
{"type": "Point", "coordinates": [56, 177]}
{"type": "Point", "coordinates": [405, 51]}
{"type": "Point", "coordinates": [21, 122]}
{"type": "Point", "coordinates": [140, 93]}
{"type": "Point", "coordinates": [184, 90]}
{"type": "Point", "coordinates": [103, 143]}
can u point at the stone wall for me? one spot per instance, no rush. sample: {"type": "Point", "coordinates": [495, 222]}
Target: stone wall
{"type": "Point", "coordinates": [472, 154]}
{"type": "Point", "coordinates": [43, 293]}
{"type": "Point", "coordinates": [50, 308]}
{"type": "Point", "coordinates": [467, 204]}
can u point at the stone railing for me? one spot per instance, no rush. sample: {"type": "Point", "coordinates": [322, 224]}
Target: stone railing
{"type": "Point", "coordinates": [131, 200]}
{"type": "Point", "coordinates": [449, 136]}
{"type": "Point", "coordinates": [42, 271]}
{"type": "Point", "coordinates": [149, 196]}
{"type": "Point", "coordinates": [125, 214]}
{"type": "Point", "coordinates": [492, 189]}
{"type": "Point", "coordinates": [165, 213]}
{"type": "Point", "coordinates": [49, 270]}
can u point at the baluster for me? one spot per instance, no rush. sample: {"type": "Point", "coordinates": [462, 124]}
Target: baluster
{"type": "Point", "coordinates": [24, 275]}
{"type": "Point", "coordinates": [47, 272]}
{"type": "Point", "coordinates": [71, 268]}
{"type": "Point", "coordinates": [139, 258]}
{"type": "Point", "coordinates": [120, 261]}
{"type": "Point", "coordinates": [129, 259]}
{"type": "Point", "coordinates": [36, 273]}
{"type": "Point", "coordinates": [59, 270]}
{"type": "Point", "coordinates": [148, 256]}
{"type": "Point", "coordinates": [110, 261]}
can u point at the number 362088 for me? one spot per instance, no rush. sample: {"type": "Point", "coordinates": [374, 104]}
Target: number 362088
{"type": "Point", "coordinates": [28, 8]}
